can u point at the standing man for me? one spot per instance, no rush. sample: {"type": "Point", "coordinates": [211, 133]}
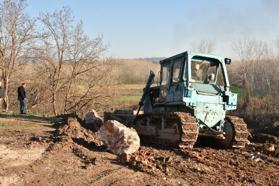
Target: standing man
{"type": "Point", "coordinates": [21, 96]}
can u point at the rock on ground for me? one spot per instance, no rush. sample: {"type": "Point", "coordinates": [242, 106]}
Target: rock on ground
{"type": "Point", "coordinates": [93, 121]}
{"type": "Point", "coordinates": [119, 138]}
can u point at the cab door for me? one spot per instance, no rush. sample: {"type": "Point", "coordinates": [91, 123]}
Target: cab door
{"type": "Point", "coordinates": [176, 83]}
{"type": "Point", "coordinates": [165, 82]}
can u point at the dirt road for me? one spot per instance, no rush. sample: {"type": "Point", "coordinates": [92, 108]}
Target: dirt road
{"type": "Point", "coordinates": [34, 151]}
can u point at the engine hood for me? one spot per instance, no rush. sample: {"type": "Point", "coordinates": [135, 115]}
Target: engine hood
{"type": "Point", "coordinates": [207, 88]}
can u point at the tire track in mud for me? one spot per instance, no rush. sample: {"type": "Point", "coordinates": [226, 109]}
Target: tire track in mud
{"type": "Point", "coordinates": [104, 174]}
{"type": "Point", "coordinates": [115, 176]}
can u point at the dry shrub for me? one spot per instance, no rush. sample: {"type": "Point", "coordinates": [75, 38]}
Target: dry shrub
{"type": "Point", "coordinates": [260, 112]}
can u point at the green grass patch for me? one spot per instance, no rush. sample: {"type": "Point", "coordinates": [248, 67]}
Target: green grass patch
{"type": "Point", "coordinates": [130, 98]}
{"type": "Point", "coordinates": [127, 99]}
{"type": "Point", "coordinates": [16, 124]}
{"type": "Point", "coordinates": [129, 94]}
{"type": "Point", "coordinates": [3, 124]}
{"type": "Point", "coordinates": [131, 86]}
{"type": "Point", "coordinates": [15, 118]}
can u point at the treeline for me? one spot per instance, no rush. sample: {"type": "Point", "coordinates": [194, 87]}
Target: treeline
{"type": "Point", "coordinates": [133, 71]}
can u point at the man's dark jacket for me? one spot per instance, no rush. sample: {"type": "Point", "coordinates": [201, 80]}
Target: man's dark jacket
{"type": "Point", "coordinates": [21, 93]}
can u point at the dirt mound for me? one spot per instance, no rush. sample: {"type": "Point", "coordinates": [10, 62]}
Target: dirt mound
{"type": "Point", "coordinates": [150, 161]}
{"type": "Point", "coordinates": [70, 132]}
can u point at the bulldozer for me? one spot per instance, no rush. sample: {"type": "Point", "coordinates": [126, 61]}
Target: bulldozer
{"type": "Point", "coordinates": [190, 100]}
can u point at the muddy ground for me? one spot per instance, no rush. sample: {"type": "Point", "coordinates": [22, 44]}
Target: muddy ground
{"type": "Point", "coordinates": [40, 151]}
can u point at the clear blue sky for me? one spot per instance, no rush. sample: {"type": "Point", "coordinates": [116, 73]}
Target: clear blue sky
{"type": "Point", "coordinates": [149, 28]}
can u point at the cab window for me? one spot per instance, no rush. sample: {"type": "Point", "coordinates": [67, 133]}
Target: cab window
{"type": "Point", "coordinates": [206, 71]}
{"type": "Point", "coordinates": [176, 71]}
{"type": "Point", "coordinates": [165, 75]}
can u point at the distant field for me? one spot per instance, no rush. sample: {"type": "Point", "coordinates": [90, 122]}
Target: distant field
{"type": "Point", "coordinates": [131, 86]}
{"type": "Point", "coordinates": [128, 94]}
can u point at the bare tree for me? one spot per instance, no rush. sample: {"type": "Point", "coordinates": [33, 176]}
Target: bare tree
{"type": "Point", "coordinates": [258, 66]}
{"type": "Point", "coordinates": [251, 50]}
{"type": "Point", "coordinates": [204, 46]}
{"type": "Point", "coordinates": [69, 59]}
{"type": "Point", "coordinates": [16, 33]}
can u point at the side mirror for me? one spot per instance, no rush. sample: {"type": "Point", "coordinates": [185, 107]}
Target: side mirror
{"type": "Point", "coordinates": [228, 61]}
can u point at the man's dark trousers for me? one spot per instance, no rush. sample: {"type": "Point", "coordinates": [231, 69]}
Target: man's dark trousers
{"type": "Point", "coordinates": [21, 98]}
{"type": "Point", "coordinates": [22, 106]}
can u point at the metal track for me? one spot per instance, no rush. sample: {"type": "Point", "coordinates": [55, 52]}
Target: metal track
{"type": "Point", "coordinates": [241, 132]}
{"type": "Point", "coordinates": [190, 130]}
{"type": "Point", "coordinates": [186, 124]}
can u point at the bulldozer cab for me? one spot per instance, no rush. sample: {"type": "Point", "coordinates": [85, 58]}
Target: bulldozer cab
{"type": "Point", "coordinates": [205, 73]}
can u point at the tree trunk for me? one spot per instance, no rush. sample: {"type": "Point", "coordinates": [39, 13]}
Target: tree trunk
{"type": "Point", "coordinates": [6, 88]}
{"type": "Point", "coordinates": [54, 103]}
